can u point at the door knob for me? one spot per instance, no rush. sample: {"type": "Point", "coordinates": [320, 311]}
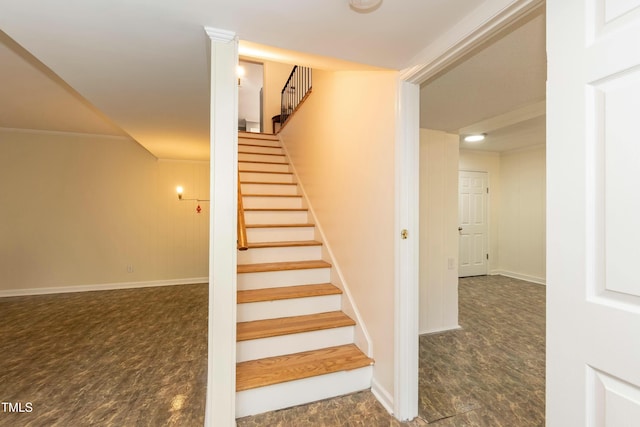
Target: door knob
{"type": "Point", "coordinates": [459, 228]}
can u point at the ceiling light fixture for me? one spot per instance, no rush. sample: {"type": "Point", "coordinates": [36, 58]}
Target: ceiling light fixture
{"type": "Point", "coordinates": [475, 138]}
{"type": "Point", "coordinates": [364, 6]}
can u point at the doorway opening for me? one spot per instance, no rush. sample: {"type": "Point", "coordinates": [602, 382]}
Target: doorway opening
{"type": "Point", "coordinates": [250, 96]}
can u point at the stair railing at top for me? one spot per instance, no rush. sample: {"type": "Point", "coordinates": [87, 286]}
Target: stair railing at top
{"type": "Point", "coordinates": [242, 228]}
{"type": "Point", "coordinates": [296, 89]}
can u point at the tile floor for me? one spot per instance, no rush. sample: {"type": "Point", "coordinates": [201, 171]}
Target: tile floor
{"type": "Point", "coordinates": [138, 358]}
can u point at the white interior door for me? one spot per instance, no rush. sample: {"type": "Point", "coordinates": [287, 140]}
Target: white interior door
{"type": "Point", "coordinates": [473, 228]}
{"type": "Point", "coordinates": [593, 290]}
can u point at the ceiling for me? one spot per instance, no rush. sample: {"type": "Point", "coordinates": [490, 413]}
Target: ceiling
{"type": "Point", "coordinates": [499, 90]}
{"type": "Point", "coordinates": [139, 67]}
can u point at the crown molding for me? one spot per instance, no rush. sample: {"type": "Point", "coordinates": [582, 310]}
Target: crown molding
{"type": "Point", "coordinates": [220, 36]}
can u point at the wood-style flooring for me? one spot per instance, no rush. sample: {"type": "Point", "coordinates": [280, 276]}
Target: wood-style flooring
{"type": "Point", "coordinates": [138, 358]}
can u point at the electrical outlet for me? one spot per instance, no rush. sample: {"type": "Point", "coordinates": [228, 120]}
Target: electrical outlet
{"type": "Point", "coordinates": [451, 263]}
{"type": "Point", "coordinates": [129, 268]}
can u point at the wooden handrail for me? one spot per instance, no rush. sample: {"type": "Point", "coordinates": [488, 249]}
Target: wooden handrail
{"type": "Point", "coordinates": [242, 229]}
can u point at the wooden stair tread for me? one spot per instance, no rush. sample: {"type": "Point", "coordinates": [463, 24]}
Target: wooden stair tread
{"type": "Point", "coordinates": [287, 292]}
{"type": "Point", "coordinates": [244, 144]}
{"type": "Point", "coordinates": [282, 266]}
{"type": "Point", "coordinates": [262, 162]}
{"type": "Point", "coordinates": [279, 369]}
{"type": "Point", "coordinates": [286, 244]}
{"type": "Point", "coordinates": [260, 154]}
{"type": "Point", "coordinates": [291, 325]}
{"type": "Point", "coordinates": [279, 225]}
{"type": "Point", "coordinates": [271, 195]}
{"type": "Point", "coordinates": [276, 209]}
{"type": "Point", "coordinates": [268, 183]}
{"type": "Point", "coordinates": [275, 172]}
{"type": "Point", "coordinates": [255, 135]}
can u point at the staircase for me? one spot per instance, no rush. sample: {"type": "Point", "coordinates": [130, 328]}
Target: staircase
{"type": "Point", "coordinates": [294, 345]}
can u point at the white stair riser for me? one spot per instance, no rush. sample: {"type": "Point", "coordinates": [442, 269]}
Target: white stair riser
{"type": "Point", "coordinates": [292, 393]}
{"type": "Point", "coordinates": [286, 254]}
{"type": "Point", "coordinates": [261, 202]}
{"type": "Point", "coordinates": [269, 167]}
{"type": "Point", "coordinates": [249, 312]}
{"type": "Point", "coordinates": [276, 217]}
{"type": "Point", "coordinates": [284, 189]}
{"type": "Point", "coordinates": [293, 343]}
{"type": "Point", "coordinates": [260, 150]}
{"type": "Point", "coordinates": [279, 234]}
{"type": "Point", "coordinates": [257, 157]}
{"type": "Point", "coordinates": [276, 279]}
{"type": "Point", "coordinates": [266, 177]}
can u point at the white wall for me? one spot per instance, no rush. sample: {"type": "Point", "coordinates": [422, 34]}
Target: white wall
{"type": "Point", "coordinates": [342, 144]}
{"type": "Point", "coordinates": [522, 228]}
{"type": "Point", "coordinates": [438, 231]}
{"type": "Point", "coordinates": [79, 209]}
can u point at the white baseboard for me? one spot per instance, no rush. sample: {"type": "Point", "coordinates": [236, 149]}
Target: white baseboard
{"type": "Point", "coordinates": [101, 287]}
{"type": "Point", "coordinates": [439, 330]}
{"type": "Point", "coordinates": [384, 397]}
{"type": "Point", "coordinates": [525, 277]}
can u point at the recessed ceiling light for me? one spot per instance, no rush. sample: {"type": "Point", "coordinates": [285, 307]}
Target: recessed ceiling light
{"type": "Point", "coordinates": [475, 138]}
{"type": "Point", "coordinates": [364, 6]}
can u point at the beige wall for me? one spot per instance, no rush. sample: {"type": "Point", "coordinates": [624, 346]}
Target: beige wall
{"type": "Point", "coordinates": [341, 143]}
{"type": "Point", "coordinates": [275, 77]}
{"type": "Point", "coordinates": [78, 209]}
{"type": "Point", "coordinates": [517, 210]}
{"type": "Point", "coordinates": [522, 231]}
{"type": "Point", "coordinates": [438, 231]}
{"type": "Point", "coordinates": [481, 161]}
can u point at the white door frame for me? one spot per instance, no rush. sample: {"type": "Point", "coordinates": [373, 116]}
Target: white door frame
{"type": "Point", "coordinates": [451, 47]}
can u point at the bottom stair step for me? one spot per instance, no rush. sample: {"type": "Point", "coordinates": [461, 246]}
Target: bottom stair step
{"type": "Point", "coordinates": [300, 378]}
{"type": "Point", "coordinates": [278, 369]}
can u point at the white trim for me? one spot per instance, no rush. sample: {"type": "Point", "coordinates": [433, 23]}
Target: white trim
{"type": "Point", "coordinates": [455, 46]}
{"type": "Point", "coordinates": [221, 373]}
{"type": "Point", "coordinates": [217, 35]}
{"type": "Point", "coordinates": [101, 287]}
{"type": "Point", "coordinates": [362, 338]}
{"type": "Point", "coordinates": [440, 330]}
{"type": "Point", "coordinates": [67, 133]}
{"type": "Point", "coordinates": [383, 395]}
{"type": "Point", "coordinates": [407, 150]}
{"type": "Point", "coordinates": [520, 276]}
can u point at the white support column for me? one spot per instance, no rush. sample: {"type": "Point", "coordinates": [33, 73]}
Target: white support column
{"type": "Point", "coordinates": [405, 405]}
{"type": "Point", "coordinates": [221, 374]}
